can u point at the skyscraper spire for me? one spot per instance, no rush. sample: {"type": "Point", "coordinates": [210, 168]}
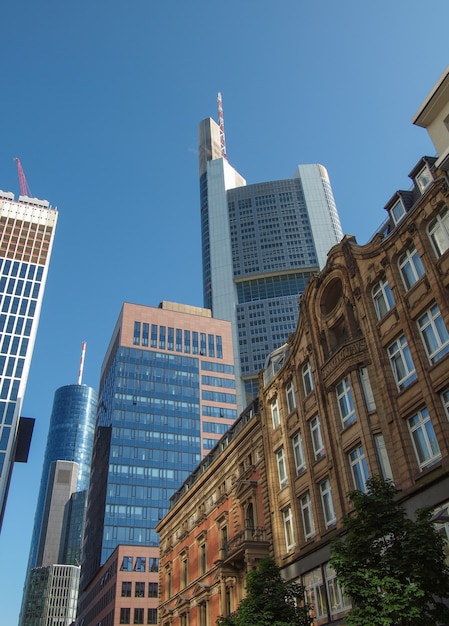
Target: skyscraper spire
{"type": "Point", "coordinates": [221, 125]}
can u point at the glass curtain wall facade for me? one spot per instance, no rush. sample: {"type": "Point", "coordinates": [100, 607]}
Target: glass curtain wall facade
{"type": "Point", "coordinates": [27, 229]}
{"type": "Point", "coordinates": [260, 243]}
{"type": "Point", "coordinates": [167, 393]}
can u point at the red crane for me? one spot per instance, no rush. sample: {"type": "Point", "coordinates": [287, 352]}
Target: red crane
{"type": "Point", "coordinates": [24, 189]}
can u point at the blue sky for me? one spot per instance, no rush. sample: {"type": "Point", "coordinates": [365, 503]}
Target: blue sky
{"type": "Point", "coordinates": [101, 101]}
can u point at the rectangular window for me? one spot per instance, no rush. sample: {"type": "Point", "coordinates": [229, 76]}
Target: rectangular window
{"type": "Point", "coordinates": [145, 334]}
{"type": "Point", "coordinates": [439, 232]}
{"type": "Point", "coordinates": [401, 362]}
{"type": "Point", "coordinates": [367, 389]}
{"type": "Point", "coordinates": [307, 516]}
{"type": "Point", "coordinates": [153, 590]}
{"type": "Point", "coordinates": [126, 589]}
{"type": "Point", "coordinates": [345, 402]}
{"type": "Point", "coordinates": [359, 468]}
{"type": "Point", "coordinates": [219, 343]}
{"type": "Point", "coordinates": [338, 601]}
{"type": "Point", "coordinates": [307, 378]}
{"type": "Point", "coordinates": [139, 591]}
{"type": "Point", "coordinates": [434, 334]}
{"type": "Point", "coordinates": [275, 413]}
{"type": "Point", "coordinates": [315, 593]}
{"type": "Point", "coordinates": [138, 616]}
{"type": "Point", "coordinates": [125, 616]}
{"type": "Point", "coordinates": [382, 455]}
{"type": "Point", "coordinates": [141, 563]}
{"type": "Point", "coordinates": [178, 340]}
{"type": "Point", "coordinates": [203, 350]}
{"type": "Point", "coordinates": [127, 564]}
{"type": "Point", "coordinates": [411, 267]}
{"type": "Point", "coordinates": [153, 564]}
{"type": "Point", "coordinates": [184, 571]}
{"type": "Point", "coordinates": [211, 346]}
{"type": "Point", "coordinates": [171, 339]}
{"type": "Point", "coordinates": [288, 528]}
{"type": "Point", "coordinates": [290, 396]}
{"type": "Point", "coordinates": [298, 452]}
{"type": "Point", "coordinates": [397, 211]}
{"type": "Point", "coordinates": [424, 439]}
{"type": "Point", "coordinates": [282, 471]}
{"type": "Point", "coordinates": [445, 401]}
{"type": "Point", "coordinates": [152, 616]}
{"type": "Point", "coordinates": [136, 339]}
{"type": "Point", "coordinates": [203, 558]}
{"type": "Point", "coordinates": [327, 503]}
{"type": "Point", "coordinates": [195, 346]}
{"type": "Point", "coordinates": [317, 438]}
{"type": "Point", "coordinates": [162, 330]}
{"type": "Point", "coordinates": [153, 336]}
{"type": "Point", "coordinates": [382, 298]}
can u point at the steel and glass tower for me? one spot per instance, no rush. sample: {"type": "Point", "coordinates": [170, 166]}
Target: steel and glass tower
{"type": "Point", "coordinates": [27, 229]}
{"type": "Point", "coordinates": [167, 394]}
{"type": "Point", "coordinates": [261, 243]}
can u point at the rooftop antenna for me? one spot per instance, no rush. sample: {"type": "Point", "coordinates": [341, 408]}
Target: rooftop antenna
{"type": "Point", "coordinates": [83, 354]}
{"type": "Point", "coordinates": [24, 189]}
{"type": "Point", "coordinates": [221, 125]}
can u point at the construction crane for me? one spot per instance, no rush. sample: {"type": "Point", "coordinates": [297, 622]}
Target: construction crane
{"type": "Point", "coordinates": [221, 125]}
{"type": "Point", "coordinates": [24, 189]}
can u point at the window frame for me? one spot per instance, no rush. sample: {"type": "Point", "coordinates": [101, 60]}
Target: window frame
{"type": "Point", "coordinates": [289, 531]}
{"type": "Point", "coordinates": [307, 378]}
{"type": "Point", "coordinates": [345, 402]}
{"type": "Point", "coordinates": [359, 468]}
{"type": "Point", "coordinates": [435, 330]}
{"type": "Point", "coordinates": [439, 224]}
{"type": "Point", "coordinates": [308, 522]}
{"type": "Point", "coordinates": [299, 453]}
{"type": "Point", "coordinates": [410, 267]}
{"type": "Point", "coordinates": [402, 355]}
{"type": "Point", "coordinates": [383, 298]}
{"type": "Point", "coordinates": [319, 450]}
{"type": "Point", "coordinates": [425, 434]}
{"type": "Point", "coordinates": [394, 214]}
{"type": "Point", "coordinates": [327, 503]}
{"type": "Point", "coordinates": [290, 396]}
{"type": "Point", "coordinates": [282, 467]}
{"type": "Point", "coordinates": [275, 415]}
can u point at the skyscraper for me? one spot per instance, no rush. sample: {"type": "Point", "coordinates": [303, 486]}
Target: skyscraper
{"type": "Point", "coordinates": [167, 394]}
{"type": "Point", "coordinates": [27, 229]}
{"type": "Point", "coordinates": [55, 553]}
{"type": "Point", "coordinates": [261, 243]}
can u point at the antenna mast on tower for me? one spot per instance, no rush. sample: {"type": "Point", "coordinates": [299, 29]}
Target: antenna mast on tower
{"type": "Point", "coordinates": [83, 354]}
{"type": "Point", "coordinates": [24, 189]}
{"type": "Point", "coordinates": [221, 125]}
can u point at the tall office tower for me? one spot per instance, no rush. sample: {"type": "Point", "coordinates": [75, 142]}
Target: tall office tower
{"type": "Point", "coordinates": [55, 553]}
{"type": "Point", "coordinates": [27, 229]}
{"type": "Point", "coordinates": [167, 394]}
{"type": "Point", "coordinates": [261, 243]}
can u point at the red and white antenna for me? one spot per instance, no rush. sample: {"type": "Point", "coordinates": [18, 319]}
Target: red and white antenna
{"type": "Point", "coordinates": [24, 189]}
{"type": "Point", "coordinates": [83, 354]}
{"type": "Point", "coordinates": [221, 125]}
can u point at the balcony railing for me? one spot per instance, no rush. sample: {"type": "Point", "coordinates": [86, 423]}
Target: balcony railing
{"type": "Point", "coordinates": [241, 539]}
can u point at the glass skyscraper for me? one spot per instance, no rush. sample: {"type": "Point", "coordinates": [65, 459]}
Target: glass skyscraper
{"type": "Point", "coordinates": [27, 229]}
{"type": "Point", "coordinates": [167, 394]}
{"type": "Point", "coordinates": [261, 243]}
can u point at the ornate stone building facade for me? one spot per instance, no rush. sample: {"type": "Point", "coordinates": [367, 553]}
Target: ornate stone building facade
{"type": "Point", "coordinates": [216, 530]}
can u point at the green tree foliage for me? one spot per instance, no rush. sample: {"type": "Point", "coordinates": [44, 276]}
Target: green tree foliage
{"type": "Point", "coordinates": [392, 567]}
{"type": "Point", "coordinates": [270, 600]}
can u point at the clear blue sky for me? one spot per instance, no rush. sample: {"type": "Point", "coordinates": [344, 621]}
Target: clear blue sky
{"type": "Point", "coordinates": [101, 101]}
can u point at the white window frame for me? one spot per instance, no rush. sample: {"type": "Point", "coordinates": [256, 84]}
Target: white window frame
{"type": "Point", "coordinates": [327, 503]}
{"type": "Point", "coordinates": [382, 455]}
{"type": "Point", "coordinates": [338, 601]}
{"type": "Point", "coordinates": [434, 333]}
{"type": "Point", "coordinates": [397, 216]}
{"type": "Point", "coordinates": [307, 378]}
{"type": "Point", "coordinates": [275, 416]}
{"type": "Point", "coordinates": [287, 517]}
{"type": "Point", "coordinates": [367, 389]}
{"type": "Point", "coordinates": [298, 453]}
{"type": "Point", "coordinates": [445, 400]}
{"type": "Point", "coordinates": [401, 362]}
{"type": "Point", "coordinates": [410, 267]}
{"type": "Point", "coordinates": [438, 231]}
{"type": "Point", "coordinates": [282, 467]}
{"type": "Point", "coordinates": [345, 402]}
{"type": "Point", "coordinates": [317, 437]}
{"type": "Point", "coordinates": [359, 468]}
{"type": "Point", "coordinates": [308, 523]}
{"type": "Point", "coordinates": [424, 439]}
{"type": "Point", "coordinates": [290, 396]}
{"type": "Point", "coordinates": [315, 592]}
{"type": "Point", "coordinates": [383, 298]}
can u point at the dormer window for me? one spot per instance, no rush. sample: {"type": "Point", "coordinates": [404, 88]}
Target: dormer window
{"type": "Point", "coordinates": [397, 211]}
{"type": "Point", "coordinates": [423, 179]}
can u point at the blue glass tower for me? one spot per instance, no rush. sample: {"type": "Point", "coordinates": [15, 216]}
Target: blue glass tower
{"type": "Point", "coordinates": [261, 243]}
{"type": "Point", "coordinates": [70, 438]}
{"type": "Point", "coordinates": [167, 394]}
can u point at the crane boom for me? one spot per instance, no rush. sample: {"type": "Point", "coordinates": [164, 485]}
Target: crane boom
{"type": "Point", "coordinates": [24, 189]}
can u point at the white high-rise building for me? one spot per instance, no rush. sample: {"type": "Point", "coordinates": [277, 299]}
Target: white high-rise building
{"type": "Point", "coordinates": [261, 243]}
{"type": "Point", "coordinates": [27, 229]}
